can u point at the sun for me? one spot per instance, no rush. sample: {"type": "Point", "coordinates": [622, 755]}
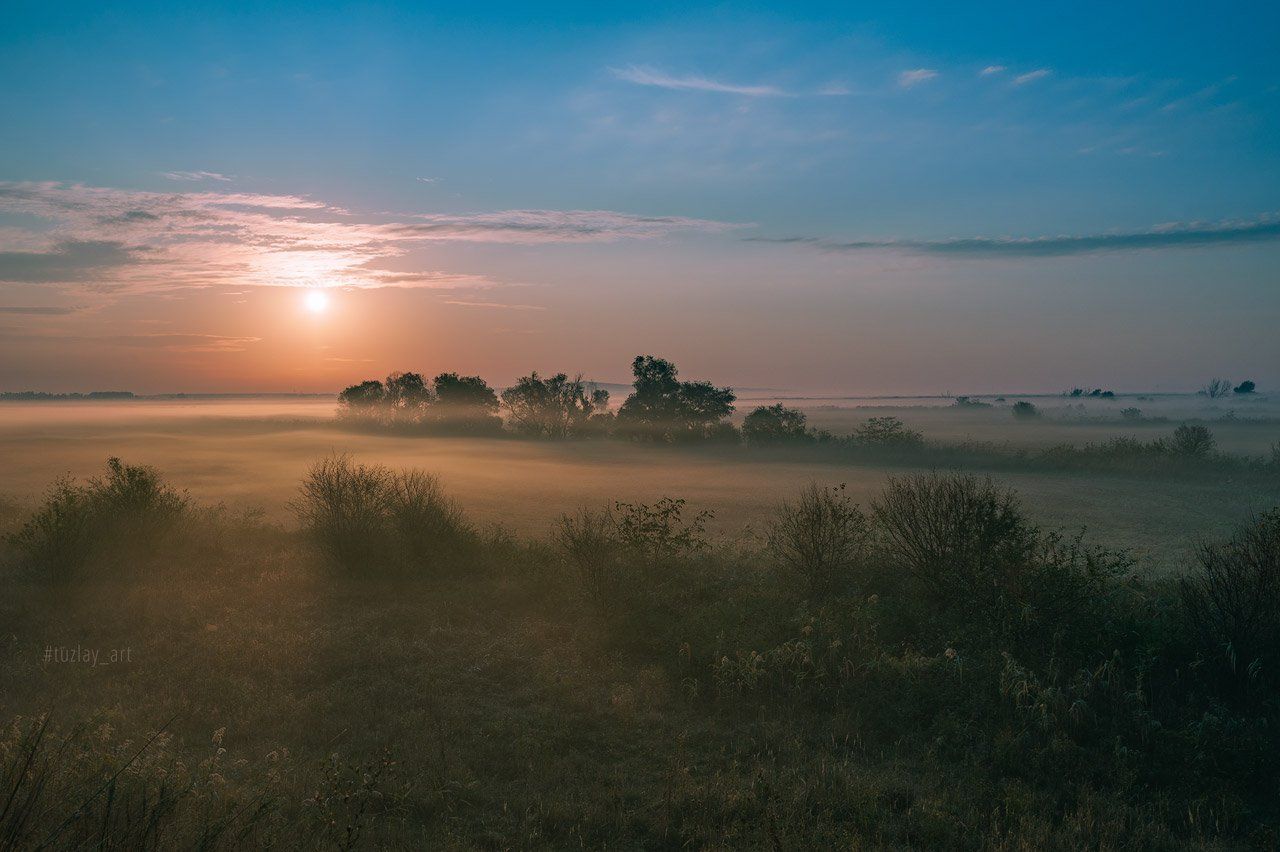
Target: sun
{"type": "Point", "coordinates": [317, 301]}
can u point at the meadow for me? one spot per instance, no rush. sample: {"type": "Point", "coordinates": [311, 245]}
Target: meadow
{"type": "Point", "coordinates": [542, 647]}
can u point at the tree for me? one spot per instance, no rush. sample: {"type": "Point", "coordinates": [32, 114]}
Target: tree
{"type": "Point", "coordinates": [1245, 387]}
{"type": "Point", "coordinates": [363, 401]}
{"type": "Point", "coordinates": [407, 397]}
{"type": "Point", "coordinates": [556, 407]}
{"type": "Point", "coordinates": [465, 403]}
{"type": "Point", "coordinates": [1216, 388]}
{"type": "Point", "coordinates": [775, 424]}
{"type": "Point", "coordinates": [663, 408]}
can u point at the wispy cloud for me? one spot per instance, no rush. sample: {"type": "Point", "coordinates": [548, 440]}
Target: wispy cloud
{"type": "Point", "coordinates": [1031, 76]}
{"type": "Point", "coordinates": [466, 304]}
{"type": "Point", "coordinates": [115, 239]}
{"type": "Point", "coordinates": [41, 311]}
{"type": "Point", "coordinates": [542, 226]}
{"type": "Point", "coordinates": [195, 176]}
{"type": "Point", "coordinates": [991, 69]}
{"type": "Point", "coordinates": [645, 76]}
{"type": "Point", "coordinates": [1172, 236]}
{"type": "Point", "coordinates": [915, 77]}
{"type": "Point", "coordinates": [162, 341]}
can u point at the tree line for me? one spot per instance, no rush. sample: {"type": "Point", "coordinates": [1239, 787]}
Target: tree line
{"type": "Point", "coordinates": [661, 406]}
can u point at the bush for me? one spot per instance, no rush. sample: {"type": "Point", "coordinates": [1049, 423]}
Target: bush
{"type": "Point", "coordinates": [1131, 413]}
{"type": "Point", "coordinates": [127, 511]}
{"type": "Point", "coordinates": [1231, 604]}
{"type": "Point", "coordinates": [1195, 441]}
{"type": "Point", "coordinates": [1023, 410]}
{"type": "Point", "coordinates": [822, 537]}
{"type": "Point", "coordinates": [366, 517]}
{"type": "Point", "coordinates": [659, 531]}
{"type": "Point", "coordinates": [995, 580]}
{"type": "Point", "coordinates": [589, 542]}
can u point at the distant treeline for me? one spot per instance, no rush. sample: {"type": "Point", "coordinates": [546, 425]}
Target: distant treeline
{"type": "Point", "coordinates": [42, 396]}
{"type": "Point", "coordinates": [664, 409]}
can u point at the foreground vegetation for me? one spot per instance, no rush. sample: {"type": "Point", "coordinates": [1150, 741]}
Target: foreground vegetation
{"type": "Point", "coordinates": [930, 670]}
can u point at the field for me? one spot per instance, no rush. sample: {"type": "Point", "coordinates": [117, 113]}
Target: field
{"type": "Point", "coordinates": [493, 700]}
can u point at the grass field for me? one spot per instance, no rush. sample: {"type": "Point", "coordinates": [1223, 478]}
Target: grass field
{"type": "Point", "coordinates": [496, 704]}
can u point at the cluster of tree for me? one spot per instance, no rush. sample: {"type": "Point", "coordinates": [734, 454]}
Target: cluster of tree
{"type": "Point", "coordinates": [450, 403]}
{"type": "Point", "coordinates": [1097, 393]}
{"type": "Point", "coordinates": [660, 408]}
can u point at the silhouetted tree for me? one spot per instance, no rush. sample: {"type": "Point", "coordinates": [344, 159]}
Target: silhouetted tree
{"type": "Point", "coordinates": [1216, 388]}
{"type": "Point", "coordinates": [556, 407]}
{"type": "Point", "coordinates": [775, 424]}
{"type": "Point", "coordinates": [365, 401]}
{"type": "Point", "coordinates": [1245, 387]}
{"type": "Point", "coordinates": [406, 399]}
{"type": "Point", "coordinates": [464, 404]}
{"type": "Point", "coordinates": [664, 408]}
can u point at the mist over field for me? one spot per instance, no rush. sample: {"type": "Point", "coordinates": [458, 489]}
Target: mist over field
{"type": "Point", "coordinates": [781, 426]}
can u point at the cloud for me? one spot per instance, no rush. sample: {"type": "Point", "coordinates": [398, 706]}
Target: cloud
{"type": "Point", "coordinates": [163, 341]}
{"type": "Point", "coordinates": [193, 176]}
{"type": "Point", "coordinates": [36, 310]}
{"type": "Point", "coordinates": [646, 76]}
{"type": "Point", "coordinates": [541, 226]}
{"type": "Point", "coordinates": [136, 241]}
{"type": "Point", "coordinates": [1031, 76]}
{"type": "Point", "coordinates": [991, 69]}
{"type": "Point", "coordinates": [916, 76]}
{"type": "Point", "coordinates": [466, 304]}
{"type": "Point", "coordinates": [1174, 236]}
{"type": "Point", "coordinates": [69, 260]}
{"type": "Point", "coordinates": [427, 180]}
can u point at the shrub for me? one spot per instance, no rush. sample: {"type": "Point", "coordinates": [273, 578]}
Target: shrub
{"type": "Point", "coordinates": [997, 582]}
{"type": "Point", "coordinates": [939, 526]}
{"type": "Point", "coordinates": [1023, 410]}
{"type": "Point", "coordinates": [1131, 413]}
{"type": "Point", "coordinates": [1193, 440]}
{"type": "Point", "coordinates": [429, 525]}
{"type": "Point", "coordinates": [589, 542]}
{"type": "Point", "coordinates": [1231, 604]}
{"type": "Point", "coordinates": [368, 516]}
{"type": "Point", "coordinates": [129, 509]}
{"type": "Point", "coordinates": [660, 531]}
{"type": "Point", "coordinates": [1245, 387]}
{"type": "Point", "coordinates": [821, 537]}
{"type": "Point", "coordinates": [887, 432]}
{"type": "Point", "coordinates": [775, 424]}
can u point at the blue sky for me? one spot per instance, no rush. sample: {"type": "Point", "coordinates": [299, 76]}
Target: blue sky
{"type": "Point", "coordinates": [762, 191]}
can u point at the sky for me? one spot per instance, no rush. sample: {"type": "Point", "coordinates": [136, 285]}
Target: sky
{"type": "Point", "coordinates": [824, 197]}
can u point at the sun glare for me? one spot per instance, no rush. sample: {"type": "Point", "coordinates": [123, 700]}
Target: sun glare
{"type": "Point", "coordinates": [317, 301]}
